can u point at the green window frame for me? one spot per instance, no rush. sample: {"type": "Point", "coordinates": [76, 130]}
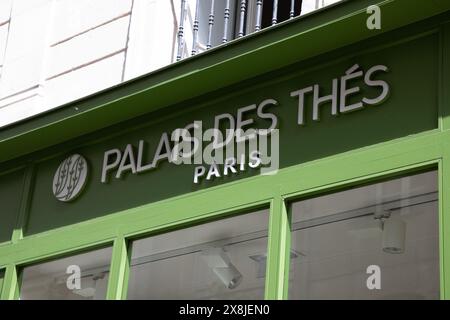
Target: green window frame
{"type": "Point", "coordinates": [136, 223]}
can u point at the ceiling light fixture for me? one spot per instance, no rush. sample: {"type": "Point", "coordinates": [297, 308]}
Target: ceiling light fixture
{"type": "Point", "coordinates": [394, 233]}
{"type": "Point", "coordinates": [219, 261]}
{"type": "Point", "coordinates": [88, 285]}
{"type": "Point", "coordinates": [261, 260]}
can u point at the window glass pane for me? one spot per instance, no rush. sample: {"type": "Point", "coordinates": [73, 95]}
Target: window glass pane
{"type": "Point", "coordinates": [80, 277]}
{"type": "Point", "coordinates": [2, 276]}
{"type": "Point", "coordinates": [219, 260]}
{"type": "Point", "coordinates": [373, 242]}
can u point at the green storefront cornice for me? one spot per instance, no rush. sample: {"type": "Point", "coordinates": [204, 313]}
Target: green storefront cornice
{"type": "Point", "coordinates": [270, 49]}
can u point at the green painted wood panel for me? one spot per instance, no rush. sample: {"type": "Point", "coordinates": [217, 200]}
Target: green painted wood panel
{"type": "Point", "coordinates": [298, 144]}
{"type": "Point", "coordinates": [11, 185]}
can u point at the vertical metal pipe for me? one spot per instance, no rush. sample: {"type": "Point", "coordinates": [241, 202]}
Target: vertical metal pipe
{"type": "Point", "coordinates": [292, 11]}
{"type": "Point", "coordinates": [226, 21]}
{"type": "Point", "coordinates": [195, 28]}
{"type": "Point", "coordinates": [211, 24]}
{"type": "Point", "coordinates": [275, 12]}
{"type": "Point", "coordinates": [259, 4]}
{"type": "Point", "coordinates": [181, 30]}
{"type": "Point", "coordinates": [242, 18]}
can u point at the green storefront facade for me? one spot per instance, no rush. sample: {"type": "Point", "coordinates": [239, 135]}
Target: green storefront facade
{"type": "Point", "coordinates": [394, 127]}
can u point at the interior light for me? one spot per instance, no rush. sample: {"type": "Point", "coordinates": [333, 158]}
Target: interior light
{"type": "Point", "coordinates": [219, 261]}
{"type": "Point", "coordinates": [261, 260]}
{"type": "Point", "coordinates": [394, 233]}
{"type": "Point", "coordinates": [85, 292]}
{"type": "Point", "coordinates": [88, 285]}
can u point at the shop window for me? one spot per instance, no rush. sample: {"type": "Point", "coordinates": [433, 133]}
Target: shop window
{"type": "Point", "coordinates": [224, 259]}
{"type": "Point", "coordinates": [374, 242]}
{"type": "Point", "coordinates": [80, 277]}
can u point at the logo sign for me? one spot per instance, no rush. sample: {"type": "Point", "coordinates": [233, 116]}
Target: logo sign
{"type": "Point", "coordinates": [241, 147]}
{"type": "Point", "coordinates": [70, 178]}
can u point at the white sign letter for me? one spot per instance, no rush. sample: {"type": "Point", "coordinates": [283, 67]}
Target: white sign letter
{"type": "Point", "coordinates": [108, 166]}
{"type": "Point", "coordinates": [374, 21]}
{"type": "Point", "coordinates": [74, 280]}
{"type": "Point", "coordinates": [374, 280]}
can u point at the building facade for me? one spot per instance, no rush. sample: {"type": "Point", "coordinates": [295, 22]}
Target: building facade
{"type": "Point", "coordinates": [246, 150]}
{"type": "Point", "coordinates": [56, 51]}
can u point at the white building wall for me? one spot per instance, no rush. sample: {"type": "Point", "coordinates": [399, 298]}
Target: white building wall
{"type": "Point", "coordinates": [56, 51]}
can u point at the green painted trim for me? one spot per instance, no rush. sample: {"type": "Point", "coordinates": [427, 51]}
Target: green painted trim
{"type": "Point", "coordinates": [187, 222]}
{"type": "Point", "coordinates": [442, 235]}
{"type": "Point", "coordinates": [11, 284]}
{"type": "Point", "coordinates": [359, 181]}
{"type": "Point", "coordinates": [24, 204]}
{"type": "Point", "coordinates": [444, 222]}
{"type": "Point", "coordinates": [278, 250]}
{"type": "Point", "coordinates": [2, 275]}
{"type": "Point", "coordinates": [444, 96]}
{"type": "Point", "coordinates": [120, 270]}
{"type": "Point", "coordinates": [236, 61]}
{"type": "Point", "coordinates": [287, 250]}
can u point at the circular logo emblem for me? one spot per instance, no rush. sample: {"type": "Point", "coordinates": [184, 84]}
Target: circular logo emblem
{"type": "Point", "coordinates": [70, 178]}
